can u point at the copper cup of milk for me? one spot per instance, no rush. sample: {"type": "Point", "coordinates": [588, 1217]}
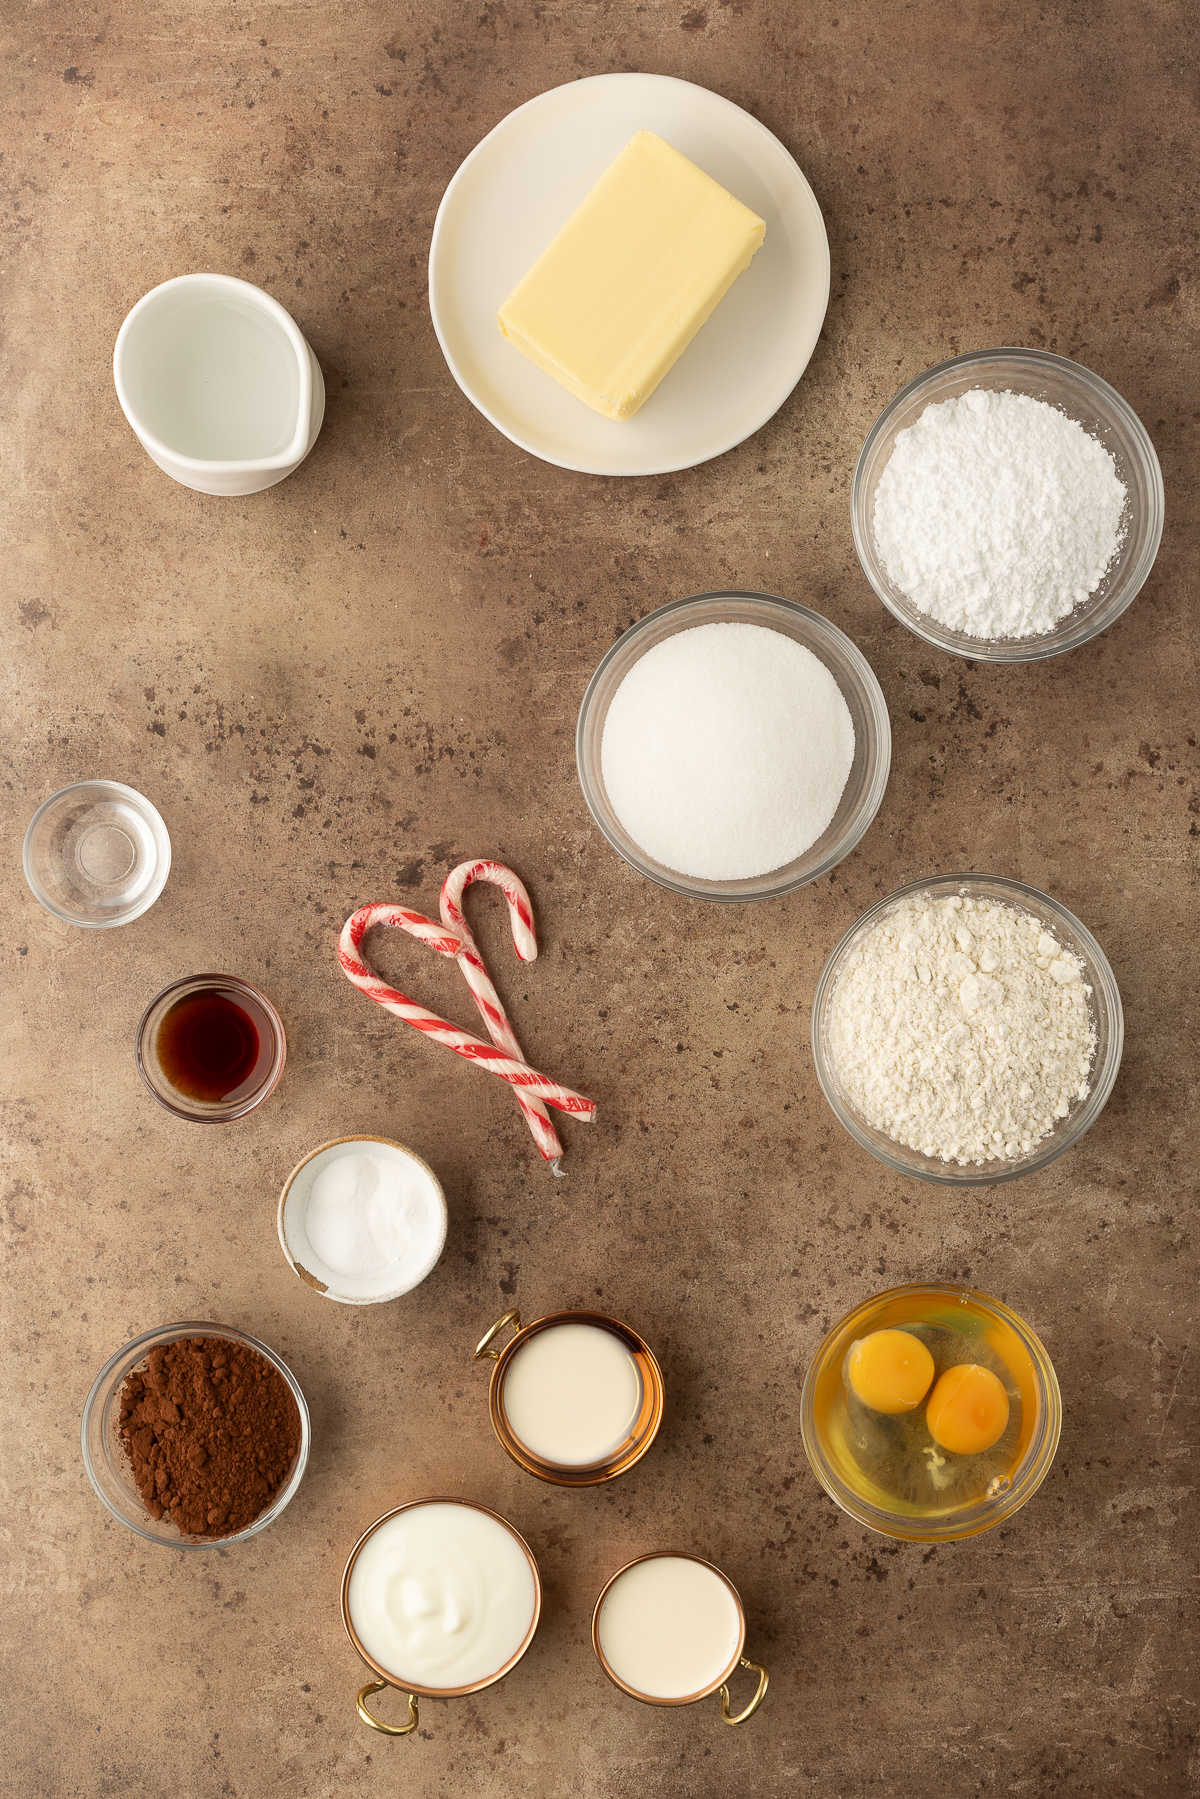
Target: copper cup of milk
{"type": "Point", "coordinates": [441, 1597]}
{"type": "Point", "coordinates": [575, 1397]}
{"type": "Point", "coordinates": [669, 1628]}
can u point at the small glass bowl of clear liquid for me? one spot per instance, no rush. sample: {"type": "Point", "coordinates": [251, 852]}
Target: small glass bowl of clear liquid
{"type": "Point", "coordinates": [96, 854]}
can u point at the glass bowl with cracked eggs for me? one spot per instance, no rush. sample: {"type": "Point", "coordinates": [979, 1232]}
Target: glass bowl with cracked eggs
{"type": "Point", "coordinates": [927, 1067]}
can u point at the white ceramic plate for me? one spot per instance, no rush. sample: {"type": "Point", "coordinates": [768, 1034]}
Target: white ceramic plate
{"type": "Point", "coordinates": [524, 180]}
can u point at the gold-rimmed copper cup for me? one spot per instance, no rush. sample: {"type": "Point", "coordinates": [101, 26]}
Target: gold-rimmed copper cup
{"type": "Point", "coordinates": [413, 1690]}
{"type": "Point", "coordinates": [720, 1682]}
{"type": "Point", "coordinates": [642, 1431]}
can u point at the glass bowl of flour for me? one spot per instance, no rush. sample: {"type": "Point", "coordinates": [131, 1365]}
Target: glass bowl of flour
{"type": "Point", "coordinates": [733, 746]}
{"type": "Point", "coordinates": [967, 1030]}
{"type": "Point", "coordinates": [1007, 505]}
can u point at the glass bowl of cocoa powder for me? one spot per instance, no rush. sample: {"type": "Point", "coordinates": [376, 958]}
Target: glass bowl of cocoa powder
{"type": "Point", "coordinates": [195, 1435]}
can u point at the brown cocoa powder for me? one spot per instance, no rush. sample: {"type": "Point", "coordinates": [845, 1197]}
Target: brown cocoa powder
{"type": "Point", "coordinates": [212, 1432]}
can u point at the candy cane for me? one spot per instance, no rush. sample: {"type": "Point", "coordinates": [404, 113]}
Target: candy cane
{"type": "Point", "coordinates": [483, 991]}
{"type": "Point", "coordinates": [518, 1073]}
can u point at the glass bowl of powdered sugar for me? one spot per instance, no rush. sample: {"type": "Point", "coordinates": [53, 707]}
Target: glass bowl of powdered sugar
{"type": "Point", "coordinates": [968, 1029]}
{"type": "Point", "coordinates": [1007, 505]}
{"type": "Point", "coordinates": [733, 746]}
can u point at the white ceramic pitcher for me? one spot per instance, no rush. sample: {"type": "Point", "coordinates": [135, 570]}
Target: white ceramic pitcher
{"type": "Point", "coordinates": [219, 384]}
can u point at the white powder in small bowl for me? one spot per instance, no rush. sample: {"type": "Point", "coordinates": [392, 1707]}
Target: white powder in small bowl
{"type": "Point", "coordinates": [362, 1220]}
{"type": "Point", "coordinates": [997, 514]}
{"type": "Point", "coordinates": [961, 1028]}
{"type": "Point", "coordinates": [726, 750]}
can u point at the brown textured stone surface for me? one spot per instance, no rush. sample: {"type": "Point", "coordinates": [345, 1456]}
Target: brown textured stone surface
{"type": "Point", "coordinates": [336, 689]}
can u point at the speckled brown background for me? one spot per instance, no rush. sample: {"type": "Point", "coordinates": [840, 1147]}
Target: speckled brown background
{"type": "Point", "coordinates": [336, 689]}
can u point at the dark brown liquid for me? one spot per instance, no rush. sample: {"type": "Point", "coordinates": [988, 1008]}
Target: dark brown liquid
{"type": "Point", "coordinates": [208, 1046]}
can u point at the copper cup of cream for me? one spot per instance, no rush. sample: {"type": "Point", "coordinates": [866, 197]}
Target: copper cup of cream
{"type": "Point", "coordinates": [669, 1628]}
{"type": "Point", "coordinates": [575, 1397]}
{"type": "Point", "coordinates": [441, 1597]}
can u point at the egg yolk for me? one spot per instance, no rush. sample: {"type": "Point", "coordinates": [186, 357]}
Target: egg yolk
{"type": "Point", "coordinates": [967, 1410]}
{"type": "Point", "coordinates": [890, 1370]}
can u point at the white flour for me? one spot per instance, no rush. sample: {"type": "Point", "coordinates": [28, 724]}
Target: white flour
{"type": "Point", "coordinates": [961, 1028]}
{"type": "Point", "coordinates": [997, 514]}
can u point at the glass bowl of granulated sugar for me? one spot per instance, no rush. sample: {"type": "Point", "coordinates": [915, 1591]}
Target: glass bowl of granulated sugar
{"type": "Point", "coordinates": [968, 1029]}
{"type": "Point", "coordinates": [733, 746]}
{"type": "Point", "coordinates": [1007, 505]}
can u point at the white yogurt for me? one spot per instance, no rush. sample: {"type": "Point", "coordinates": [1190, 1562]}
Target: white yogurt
{"type": "Point", "coordinates": [572, 1394]}
{"type": "Point", "coordinates": [364, 1220]}
{"type": "Point", "coordinates": [669, 1627]}
{"type": "Point", "coordinates": [441, 1596]}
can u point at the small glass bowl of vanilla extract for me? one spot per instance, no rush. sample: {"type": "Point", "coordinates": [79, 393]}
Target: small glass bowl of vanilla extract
{"type": "Point", "coordinates": [931, 1412]}
{"type": "Point", "coordinates": [211, 1048]}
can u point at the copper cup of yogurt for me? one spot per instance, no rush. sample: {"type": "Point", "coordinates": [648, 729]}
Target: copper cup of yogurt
{"type": "Point", "coordinates": [441, 1597]}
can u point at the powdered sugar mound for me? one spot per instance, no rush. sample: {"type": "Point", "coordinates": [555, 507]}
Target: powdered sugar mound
{"type": "Point", "coordinates": [997, 514]}
{"type": "Point", "coordinates": [961, 1028]}
{"type": "Point", "coordinates": [726, 749]}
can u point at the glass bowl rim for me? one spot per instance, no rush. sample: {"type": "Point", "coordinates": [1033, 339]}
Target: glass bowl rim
{"type": "Point", "coordinates": [1107, 1004]}
{"type": "Point", "coordinates": [158, 830]}
{"type": "Point", "coordinates": [875, 704]}
{"type": "Point", "coordinates": [1039, 1458]}
{"type": "Point", "coordinates": [1088, 625]}
{"type": "Point", "coordinates": [133, 1352]}
{"type": "Point", "coordinates": [270, 1080]}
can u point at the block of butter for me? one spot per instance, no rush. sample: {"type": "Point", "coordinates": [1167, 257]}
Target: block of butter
{"type": "Point", "coordinates": [618, 296]}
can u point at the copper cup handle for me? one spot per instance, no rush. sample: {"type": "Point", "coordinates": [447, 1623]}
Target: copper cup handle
{"type": "Point", "coordinates": [387, 1730]}
{"type": "Point", "coordinates": [483, 1349]}
{"type": "Point", "coordinates": [764, 1678]}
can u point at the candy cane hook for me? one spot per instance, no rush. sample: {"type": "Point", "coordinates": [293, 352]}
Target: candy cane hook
{"type": "Point", "coordinates": [512, 1069]}
{"type": "Point", "coordinates": [483, 991]}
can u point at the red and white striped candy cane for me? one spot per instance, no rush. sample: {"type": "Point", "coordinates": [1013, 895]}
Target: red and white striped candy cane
{"type": "Point", "coordinates": [509, 1068]}
{"type": "Point", "coordinates": [483, 991]}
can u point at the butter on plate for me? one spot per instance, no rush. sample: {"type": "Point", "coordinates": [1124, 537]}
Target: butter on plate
{"type": "Point", "coordinates": [621, 292]}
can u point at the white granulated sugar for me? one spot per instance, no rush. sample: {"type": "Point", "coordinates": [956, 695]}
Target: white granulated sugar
{"type": "Point", "coordinates": [961, 1028]}
{"type": "Point", "coordinates": [997, 514]}
{"type": "Point", "coordinates": [726, 749]}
